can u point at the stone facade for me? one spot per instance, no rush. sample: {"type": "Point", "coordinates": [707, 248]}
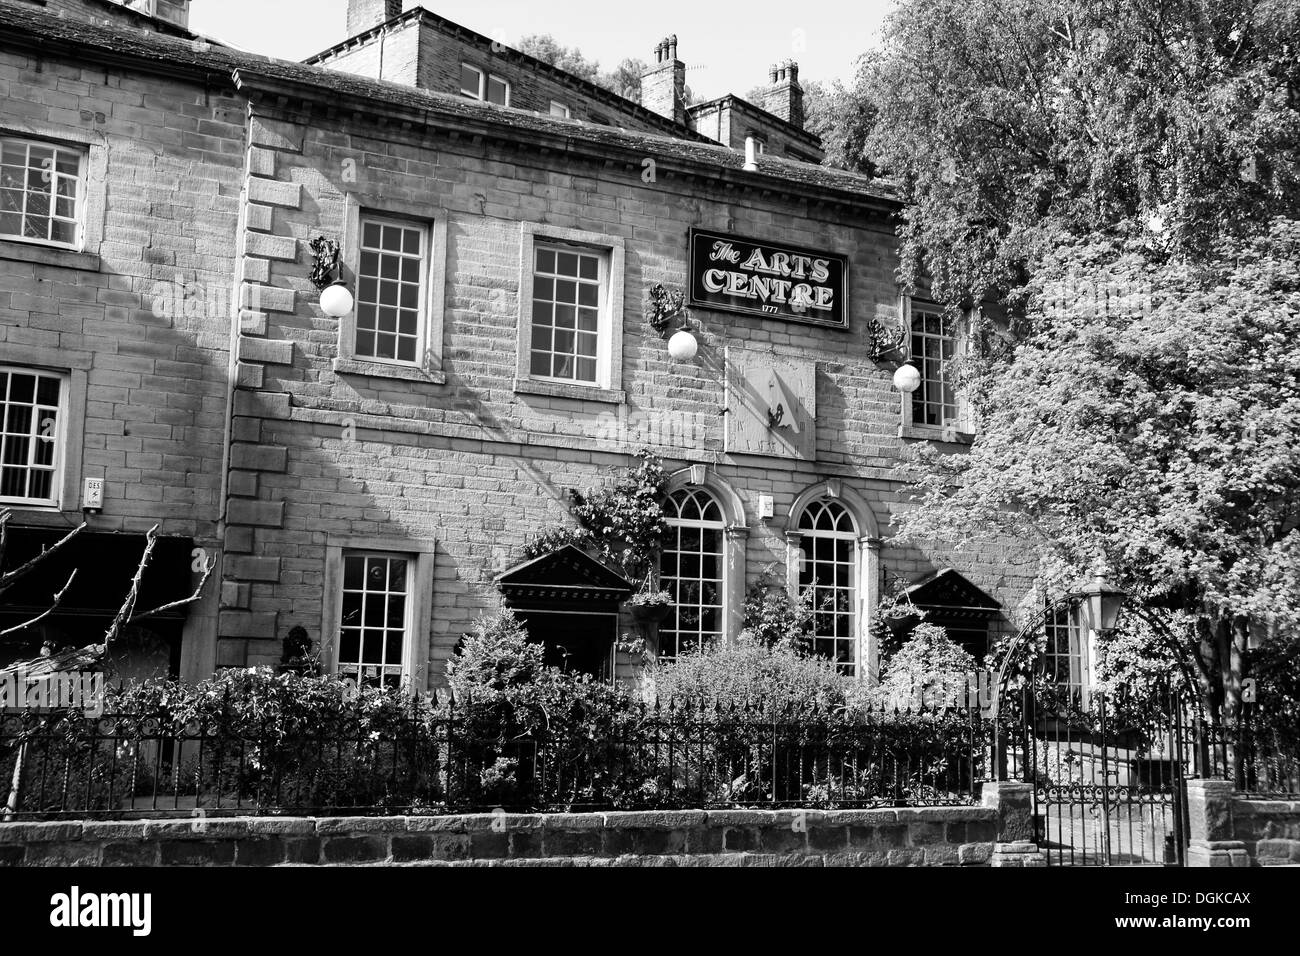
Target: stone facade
{"type": "Point", "coordinates": [929, 836]}
{"type": "Point", "coordinates": [136, 318]}
{"type": "Point", "coordinates": [215, 171]}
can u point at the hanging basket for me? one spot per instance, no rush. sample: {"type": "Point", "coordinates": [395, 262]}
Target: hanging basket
{"type": "Point", "coordinates": [651, 613]}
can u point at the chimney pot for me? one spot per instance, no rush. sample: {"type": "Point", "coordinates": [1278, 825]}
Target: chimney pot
{"type": "Point", "coordinates": [663, 85]}
{"type": "Point", "coordinates": [785, 96]}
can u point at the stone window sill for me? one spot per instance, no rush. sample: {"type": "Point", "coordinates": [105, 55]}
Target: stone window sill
{"type": "Point", "coordinates": [409, 373]}
{"type": "Point", "coordinates": [48, 255]}
{"type": "Point", "coordinates": [935, 433]}
{"type": "Point", "coordinates": [581, 393]}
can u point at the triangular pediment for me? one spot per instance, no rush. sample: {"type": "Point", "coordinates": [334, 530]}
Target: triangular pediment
{"type": "Point", "coordinates": [568, 573]}
{"type": "Point", "coordinates": [951, 590]}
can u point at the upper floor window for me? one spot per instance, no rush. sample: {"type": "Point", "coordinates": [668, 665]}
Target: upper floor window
{"type": "Point", "coordinates": [570, 331]}
{"type": "Point", "coordinates": [484, 86]}
{"type": "Point", "coordinates": [391, 283]}
{"type": "Point", "coordinates": [829, 571]}
{"type": "Point", "coordinates": [40, 191]}
{"type": "Point", "coordinates": [691, 569]}
{"type": "Point", "coordinates": [31, 418]}
{"type": "Point", "coordinates": [934, 346]}
{"type": "Point", "coordinates": [560, 109]}
{"type": "Point", "coordinates": [936, 342]}
{"type": "Point", "coordinates": [568, 284]}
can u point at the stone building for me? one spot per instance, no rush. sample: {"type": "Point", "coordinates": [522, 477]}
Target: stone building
{"type": "Point", "coordinates": [375, 477]}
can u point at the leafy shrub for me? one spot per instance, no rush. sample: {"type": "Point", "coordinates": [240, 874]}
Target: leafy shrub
{"type": "Point", "coordinates": [752, 672]}
{"type": "Point", "coordinates": [928, 667]}
{"type": "Point", "coordinates": [772, 617]}
{"type": "Point", "coordinates": [623, 523]}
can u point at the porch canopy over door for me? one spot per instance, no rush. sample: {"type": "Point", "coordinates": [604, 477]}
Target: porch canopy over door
{"type": "Point", "coordinates": [569, 602]}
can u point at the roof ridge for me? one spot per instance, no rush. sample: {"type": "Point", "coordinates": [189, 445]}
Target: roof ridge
{"type": "Point", "coordinates": [170, 53]}
{"type": "Point", "coordinates": [601, 92]}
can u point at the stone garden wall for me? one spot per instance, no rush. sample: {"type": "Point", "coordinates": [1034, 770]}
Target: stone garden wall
{"type": "Point", "coordinates": [927, 836]}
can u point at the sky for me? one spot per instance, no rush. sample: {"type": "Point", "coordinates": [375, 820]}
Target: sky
{"type": "Point", "coordinates": [727, 47]}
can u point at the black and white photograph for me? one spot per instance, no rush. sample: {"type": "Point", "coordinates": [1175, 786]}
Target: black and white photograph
{"type": "Point", "coordinates": [854, 441]}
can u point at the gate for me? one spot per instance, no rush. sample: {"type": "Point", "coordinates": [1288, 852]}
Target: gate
{"type": "Point", "coordinates": [1108, 772]}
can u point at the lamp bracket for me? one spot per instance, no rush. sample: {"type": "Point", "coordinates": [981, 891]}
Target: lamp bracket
{"type": "Point", "coordinates": [882, 341]}
{"type": "Point", "coordinates": [325, 261]}
{"type": "Point", "coordinates": [662, 307]}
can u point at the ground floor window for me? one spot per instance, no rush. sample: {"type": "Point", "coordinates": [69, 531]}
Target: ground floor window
{"type": "Point", "coordinates": [691, 570]}
{"type": "Point", "coordinates": [31, 416]}
{"type": "Point", "coordinates": [829, 573]}
{"type": "Point", "coordinates": [1065, 661]}
{"type": "Point", "coordinates": [375, 622]}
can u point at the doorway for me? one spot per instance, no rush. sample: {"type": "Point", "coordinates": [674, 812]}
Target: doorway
{"type": "Point", "coordinates": [575, 642]}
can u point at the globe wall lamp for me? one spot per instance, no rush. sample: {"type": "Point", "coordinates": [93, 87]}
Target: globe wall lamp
{"type": "Point", "coordinates": [907, 379]}
{"type": "Point", "coordinates": [335, 298]}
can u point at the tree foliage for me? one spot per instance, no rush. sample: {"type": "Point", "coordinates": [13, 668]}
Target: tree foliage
{"type": "Point", "coordinates": [1149, 420]}
{"type": "Point", "coordinates": [624, 79]}
{"type": "Point", "coordinates": [1116, 186]}
{"type": "Point", "coordinates": [1008, 124]}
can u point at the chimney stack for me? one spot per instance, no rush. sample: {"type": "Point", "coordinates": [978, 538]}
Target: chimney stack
{"type": "Point", "coordinates": [364, 15]}
{"type": "Point", "coordinates": [663, 85]}
{"type": "Point", "coordinates": [173, 11]}
{"type": "Point", "coordinates": [784, 98]}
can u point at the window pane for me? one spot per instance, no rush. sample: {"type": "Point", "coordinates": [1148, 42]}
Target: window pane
{"type": "Point", "coordinates": [32, 175]}
{"type": "Point", "coordinates": [570, 333]}
{"type": "Point", "coordinates": [30, 408]}
{"type": "Point", "coordinates": [391, 275]}
{"type": "Point", "coordinates": [498, 92]}
{"type": "Point", "coordinates": [469, 81]}
{"type": "Point", "coordinates": [934, 347]}
{"type": "Point", "coordinates": [693, 546]}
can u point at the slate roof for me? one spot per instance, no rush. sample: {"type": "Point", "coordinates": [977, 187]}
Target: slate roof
{"type": "Point", "coordinates": [594, 90]}
{"type": "Point", "coordinates": [739, 102]}
{"type": "Point", "coordinates": [27, 29]}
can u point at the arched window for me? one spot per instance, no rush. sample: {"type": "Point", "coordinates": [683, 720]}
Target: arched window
{"type": "Point", "coordinates": [829, 570]}
{"type": "Point", "coordinates": [692, 570]}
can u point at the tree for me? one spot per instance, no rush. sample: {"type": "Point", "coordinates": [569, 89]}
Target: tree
{"type": "Point", "coordinates": [1150, 422]}
{"type": "Point", "coordinates": [1116, 186]}
{"type": "Point", "coordinates": [624, 79]}
{"type": "Point", "coordinates": [544, 47]}
{"type": "Point", "coordinates": [126, 614]}
{"type": "Point", "coordinates": [1010, 125]}
{"type": "Point", "coordinates": [844, 119]}
{"type": "Point", "coordinates": [67, 659]}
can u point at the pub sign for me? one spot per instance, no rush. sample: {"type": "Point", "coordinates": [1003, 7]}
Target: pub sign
{"type": "Point", "coordinates": [768, 279]}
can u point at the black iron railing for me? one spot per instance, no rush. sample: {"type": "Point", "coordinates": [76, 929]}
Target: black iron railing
{"type": "Point", "coordinates": [436, 757]}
